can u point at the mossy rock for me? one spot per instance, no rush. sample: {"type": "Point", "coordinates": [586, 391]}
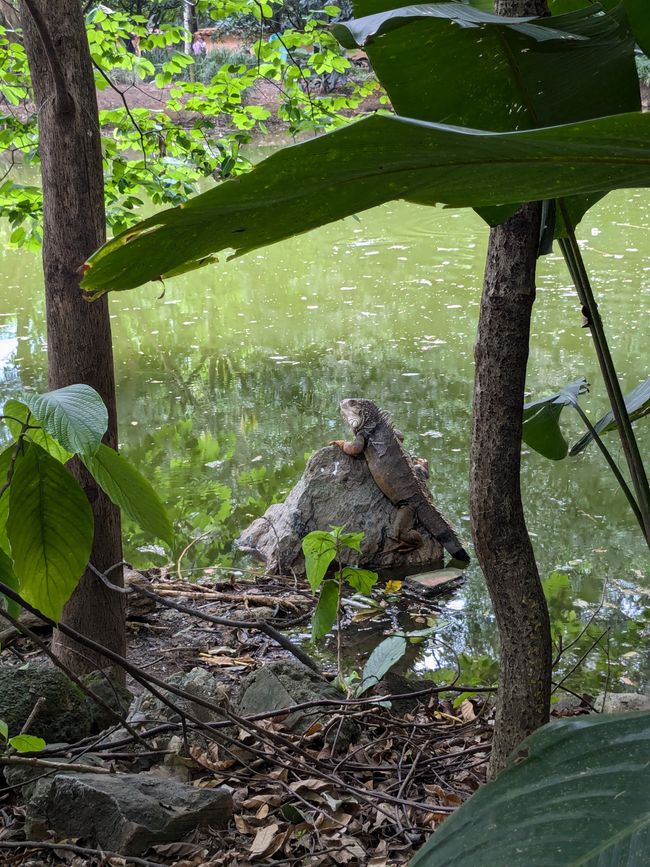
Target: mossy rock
{"type": "Point", "coordinates": [65, 715]}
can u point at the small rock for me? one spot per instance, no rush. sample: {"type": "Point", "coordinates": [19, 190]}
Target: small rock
{"type": "Point", "coordinates": [114, 694]}
{"type": "Point", "coordinates": [335, 489]}
{"type": "Point", "coordinates": [281, 684]}
{"type": "Point", "coordinates": [66, 714]}
{"type": "Point", "coordinates": [620, 702]}
{"type": "Point", "coordinates": [198, 681]}
{"type": "Point", "coordinates": [125, 813]}
{"type": "Point", "coordinates": [27, 777]}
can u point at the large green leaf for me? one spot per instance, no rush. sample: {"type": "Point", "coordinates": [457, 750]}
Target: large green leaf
{"type": "Point", "coordinates": [581, 797]}
{"type": "Point", "coordinates": [75, 416]}
{"type": "Point", "coordinates": [319, 549]}
{"type": "Point", "coordinates": [381, 660]}
{"type": "Point", "coordinates": [541, 429]}
{"type": "Point", "coordinates": [20, 414]}
{"type": "Point", "coordinates": [481, 70]}
{"type": "Point", "coordinates": [376, 160]}
{"type": "Point", "coordinates": [8, 577]}
{"type": "Point", "coordinates": [638, 405]}
{"type": "Point", "coordinates": [50, 530]}
{"type": "Point", "coordinates": [637, 13]}
{"type": "Point", "coordinates": [324, 616]}
{"type": "Point", "coordinates": [129, 490]}
{"type": "Point", "coordinates": [5, 463]}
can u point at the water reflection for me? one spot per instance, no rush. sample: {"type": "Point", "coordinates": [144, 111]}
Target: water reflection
{"type": "Point", "coordinates": [229, 382]}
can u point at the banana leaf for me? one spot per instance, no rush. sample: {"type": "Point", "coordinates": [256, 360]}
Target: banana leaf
{"type": "Point", "coordinates": [454, 64]}
{"type": "Point", "coordinates": [541, 428]}
{"type": "Point", "coordinates": [638, 405]}
{"type": "Point", "coordinates": [578, 795]}
{"type": "Point", "coordinates": [375, 160]}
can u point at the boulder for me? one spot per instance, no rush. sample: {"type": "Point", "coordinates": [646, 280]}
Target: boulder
{"type": "Point", "coordinates": [197, 681]}
{"type": "Point", "coordinates": [125, 813]}
{"type": "Point", "coordinates": [338, 490]}
{"type": "Point", "coordinates": [284, 683]}
{"type": "Point", "coordinates": [66, 714]}
{"type": "Point", "coordinates": [620, 702]}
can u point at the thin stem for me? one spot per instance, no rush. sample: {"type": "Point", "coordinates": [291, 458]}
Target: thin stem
{"type": "Point", "coordinates": [612, 465]}
{"type": "Point", "coordinates": [573, 257]}
{"type": "Point", "coordinates": [339, 630]}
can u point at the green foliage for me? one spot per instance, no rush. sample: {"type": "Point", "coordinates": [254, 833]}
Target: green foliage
{"type": "Point", "coordinates": [637, 403]}
{"type": "Point", "coordinates": [21, 743]}
{"type": "Point", "coordinates": [368, 163]}
{"type": "Point", "coordinates": [128, 489]}
{"type": "Point", "coordinates": [321, 548]}
{"type": "Point", "coordinates": [380, 159]}
{"type": "Point", "coordinates": [381, 660]}
{"type": "Point", "coordinates": [541, 428]}
{"type": "Point", "coordinates": [75, 416]}
{"type": "Point", "coordinates": [46, 523]}
{"type": "Point", "coordinates": [326, 610]}
{"type": "Point", "coordinates": [49, 528]}
{"type": "Point", "coordinates": [163, 154]}
{"type": "Point", "coordinates": [535, 812]}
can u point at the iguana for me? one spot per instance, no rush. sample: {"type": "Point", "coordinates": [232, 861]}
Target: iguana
{"type": "Point", "coordinates": [393, 470]}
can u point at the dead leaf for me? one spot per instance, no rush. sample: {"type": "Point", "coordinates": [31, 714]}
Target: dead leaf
{"type": "Point", "coordinates": [267, 841]}
{"type": "Point", "coordinates": [311, 784]}
{"type": "Point", "coordinates": [467, 710]}
{"type": "Point", "coordinates": [226, 660]}
{"type": "Point", "coordinates": [263, 812]}
{"type": "Point", "coordinates": [244, 826]}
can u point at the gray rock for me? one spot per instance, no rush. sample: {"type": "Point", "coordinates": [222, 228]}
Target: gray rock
{"type": "Point", "coordinates": [619, 702]}
{"type": "Point", "coordinates": [281, 684]}
{"type": "Point", "coordinates": [114, 694]}
{"type": "Point", "coordinates": [66, 714]}
{"type": "Point", "coordinates": [198, 681]}
{"type": "Point", "coordinates": [27, 778]}
{"type": "Point", "coordinates": [125, 813]}
{"type": "Point", "coordinates": [335, 489]}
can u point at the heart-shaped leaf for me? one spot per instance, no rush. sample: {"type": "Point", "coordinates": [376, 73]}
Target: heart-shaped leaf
{"type": "Point", "coordinates": [129, 490]}
{"type": "Point", "coordinates": [75, 416]}
{"type": "Point", "coordinates": [50, 530]}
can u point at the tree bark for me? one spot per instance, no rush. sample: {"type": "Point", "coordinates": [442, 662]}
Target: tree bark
{"type": "Point", "coordinates": [78, 333]}
{"type": "Point", "coordinates": [503, 547]}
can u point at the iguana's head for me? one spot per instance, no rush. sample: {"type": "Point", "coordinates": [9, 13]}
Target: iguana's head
{"type": "Point", "coordinates": [360, 413]}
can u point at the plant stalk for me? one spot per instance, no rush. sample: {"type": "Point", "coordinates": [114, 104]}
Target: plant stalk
{"type": "Point", "coordinates": [612, 465]}
{"type": "Point", "coordinates": [573, 257]}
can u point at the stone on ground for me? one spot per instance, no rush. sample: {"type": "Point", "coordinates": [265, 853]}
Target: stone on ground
{"type": "Point", "coordinates": [281, 684]}
{"type": "Point", "coordinates": [65, 715]}
{"type": "Point", "coordinates": [125, 813]}
{"type": "Point", "coordinates": [338, 490]}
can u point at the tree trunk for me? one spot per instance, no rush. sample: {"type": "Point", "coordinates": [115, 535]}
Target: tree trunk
{"type": "Point", "coordinates": [78, 333]}
{"type": "Point", "coordinates": [503, 546]}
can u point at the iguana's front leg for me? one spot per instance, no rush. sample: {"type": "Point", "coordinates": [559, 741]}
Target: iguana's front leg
{"type": "Point", "coordinates": [353, 448]}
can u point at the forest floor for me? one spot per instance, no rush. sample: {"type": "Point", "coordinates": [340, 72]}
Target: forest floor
{"type": "Point", "coordinates": [364, 783]}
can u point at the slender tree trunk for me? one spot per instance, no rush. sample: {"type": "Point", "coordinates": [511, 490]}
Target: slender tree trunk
{"type": "Point", "coordinates": [502, 543]}
{"type": "Point", "coordinates": [78, 333]}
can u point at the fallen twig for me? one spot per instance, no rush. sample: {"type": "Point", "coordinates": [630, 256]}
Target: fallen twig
{"type": "Point", "coordinates": [78, 850]}
{"type": "Point", "coordinates": [48, 765]}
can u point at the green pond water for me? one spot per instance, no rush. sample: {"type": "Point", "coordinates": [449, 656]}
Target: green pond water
{"type": "Point", "coordinates": [228, 382]}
